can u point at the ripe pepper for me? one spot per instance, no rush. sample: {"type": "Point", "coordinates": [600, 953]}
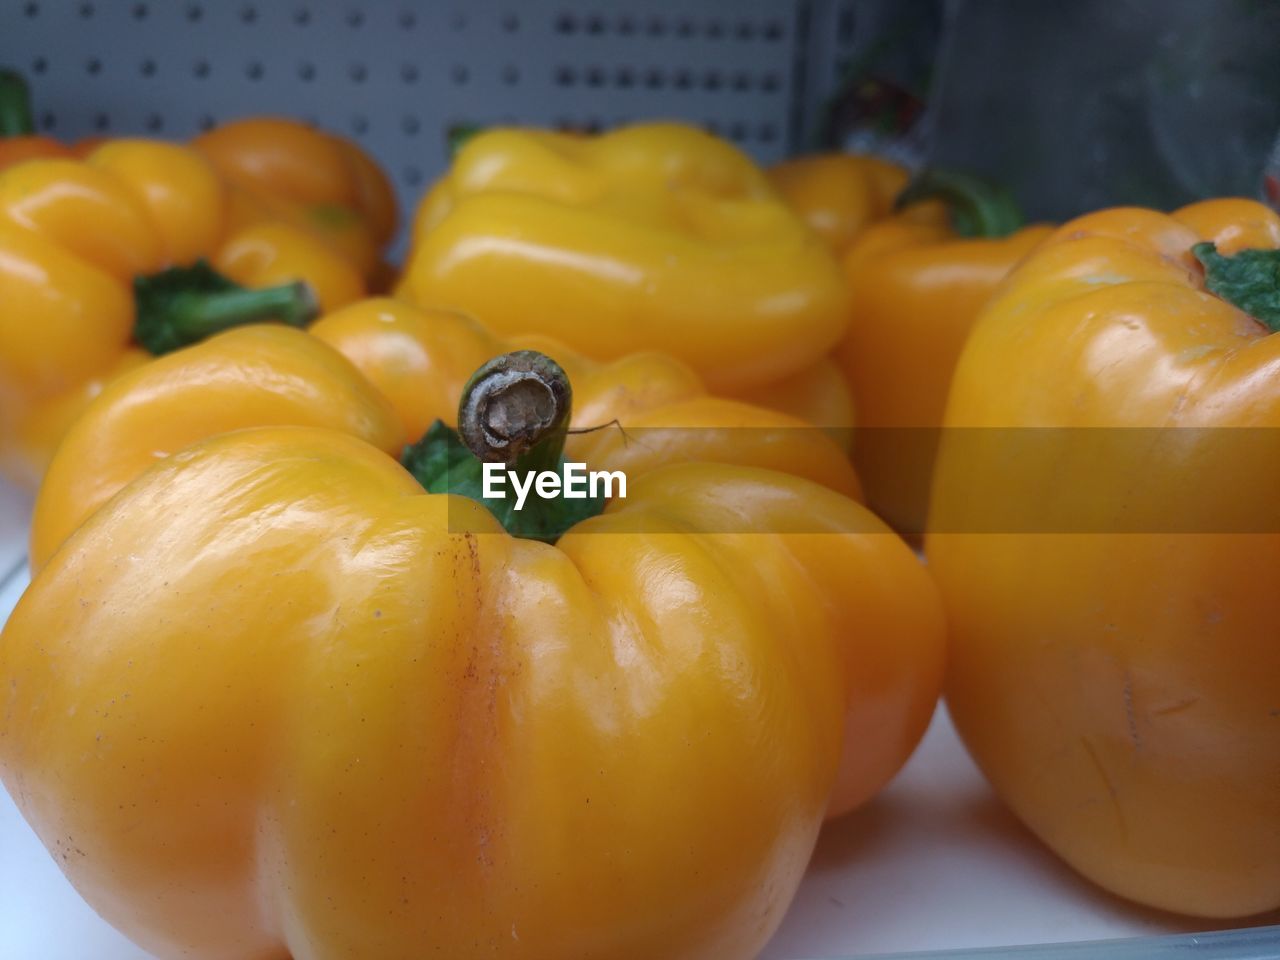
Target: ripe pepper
{"type": "Point", "coordinates": [1101, 521]}
{"type": "Point", "coordinates": [323, 183]}
{"type": "Point", "coordinates": [917, 279]}
{"type": "Point", "coordinates": [650, 409]}
{"type": "Point", "coordinates": [275, 700]}
{"type": "Point", "coordinates": [86, 251]}
{"type": "Point", "coordinates": [651, 237]}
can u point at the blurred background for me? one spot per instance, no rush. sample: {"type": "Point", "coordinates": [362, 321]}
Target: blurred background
{"type": "Point", "coordinates": [1073, 105]}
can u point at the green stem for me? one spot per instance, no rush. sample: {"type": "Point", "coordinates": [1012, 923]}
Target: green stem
{"type": "Point", "coordinates": [459, 136]}
{"type": "Point", "coordinates": [16, 118]}
{"type": "Point", "coordinates": [184, 305]}
{"type": "Point", "coordinates": [515, 412]}
{"type": "Point", "coordinates": [979, 208]}
{"type": "Point", "coordinates": [1249, 280]}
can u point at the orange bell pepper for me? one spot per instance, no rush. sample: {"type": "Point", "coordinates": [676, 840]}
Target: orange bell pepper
{"type": "Point", "coordinates": [323, 183]}
{"type": "Point", "coordinates": [364, 719]}
{"type": "Point", "coordinates": [920, 262]}
{"type": "Point", "coordinates": [87, 251]}
{"type": "Point", "coordinates": [1103, 530]}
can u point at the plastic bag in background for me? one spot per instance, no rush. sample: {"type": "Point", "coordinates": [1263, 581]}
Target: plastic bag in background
{"type": "Point", "coordinates": [1095, 103]}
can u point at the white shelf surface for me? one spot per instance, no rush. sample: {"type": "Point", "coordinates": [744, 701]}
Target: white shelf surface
{"type": "Point", "coordinates": [934, 863]}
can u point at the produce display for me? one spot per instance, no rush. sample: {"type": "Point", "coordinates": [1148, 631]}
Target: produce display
{"type": "Point", "coordinates": [542, 594]}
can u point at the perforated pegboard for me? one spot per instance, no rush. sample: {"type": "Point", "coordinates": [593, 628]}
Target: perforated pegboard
{"type": "Point", "coordinates": [398, 74]}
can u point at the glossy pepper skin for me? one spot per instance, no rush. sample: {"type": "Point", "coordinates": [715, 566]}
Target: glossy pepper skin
{"type": "Point", "coordinates": [384, 371]}
{"type": "Point", "coordinates": [840, 194]}
{"type": "Point", "coordinates": [75, 235]}
{"type": "Point", "coordinates": [916, 283]}
{"type": "Point", "coordinates": [917, 287]}
{"type": "Point", "coordinates": [325, 184]}
{"type": "Point", "coordinates": [361, 720]}
{"type": "Point", "coordinates": [1119, 685]}
{"type": "Point", "coordinates": [651, 237]}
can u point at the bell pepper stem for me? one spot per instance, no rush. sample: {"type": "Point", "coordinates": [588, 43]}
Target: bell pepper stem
{"type": "Point", "coordinates": [978, 207]}
{"type": "Point", "coordinates": [16, 118]}
{"type": "Point", "coordinates": [514, 411]}
{"type": "Point", "coordinates": [1249, 280]}
{"type": "Point", "coordinates": [185, 305]}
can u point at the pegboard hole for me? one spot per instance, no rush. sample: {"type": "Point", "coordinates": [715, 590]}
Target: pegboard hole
{"type": "Point", "coordinates": [31, 10]}
{"type": "Point", "coordinates": [206, 123]}
{"type": "Point", "coordinates": [460, 75]}
{"type": "Point", "coordinates": [302, 16]}
{"type": "Point", "coordinates": [147, 68]}
{"type": "Point", "coordinates": [409, 74]}
{"type": "Point", "coordinates": [685, 28]}
{"type": "Point", "coordinates": [359, 124]}
{"type": "Point", "coordinates": [657, 27]}
{"type": "Point", "coordinates": [248, 14]}
{"type": "Point", "coordinates": [511, 23]}
{"type": "Point", "coordinates": [200, 69]}
{"type": "Point", "coordinates": [714, 29]}
{"type": "Point", "coordinates": [86, 11]}
{"type": "Point", "coordinates": [410, 125]}
{"type": "Point", "coordinates": [195, 12]}
{"type": "Point", "coordinates": [774, 30]}
{"type": "Point", "coordinates": [93, 66]}
{"type": "Point", "coordinates": [768, 133]}
{"type": "Point", "coordinates": [408, 20]}
{"type": "Point", "coordinates": [567, 24]}
{"type": "Point", "coordinates": [510, 74]}
{"type": "Point", "coordinates": [770, 83]}
{"type": "Point", "coordinates": [358, 73]}
{"type": "Point", "coordinates": [412, 176]}
{"type": "Point", "coordinates": [655, 79]}
{"type": "Point", "coordinates": [154, 123]}
{"type": "Point", "coordinates": [626, 26]}
{"type": "Point", "coordinates": [141, 11]}
{"type": "Point", "coordinates": [101, 122]}
{"type": "Point", "coordinates": [745, 30]}
{"type": "Point", "coordinates": [741, 82]}
{"type": "Point", "coordinates": [355, 19]}
{"type": "Point", "coordinates": [595, 26]}
{"type": "Point", "coordinates": [683, 80]}
{"type": "Point", "coordinates": [624, 78]}
{"type": "Point", "coordinates": [712, 81]}
{"type": "Point", "coordinates": [255, 70]}
{"type": "Point", "coordinates": [39, 66]}
{"type": "Point", "coordinates": [48, 121]}
{"type": "Point", "coordinates": [306, 71]}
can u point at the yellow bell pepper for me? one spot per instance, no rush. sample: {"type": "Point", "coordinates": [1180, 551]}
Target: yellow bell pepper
{"type": "Point", "coordinates": [647, 409]}
{"type": "Point", "coordinates": [651, 237]}
{"type": "Point", "coordinates": [1101, 526]}
{"type": "Point", "coordinates": [86, 251]}
{"type": "Point", "coordinates": [917, 279]}
{"type": "Point", "coordinates": [275, 700]}
{"type": "Point", "coordinates": [325, 184]}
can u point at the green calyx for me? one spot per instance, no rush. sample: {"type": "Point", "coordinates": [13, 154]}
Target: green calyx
{"type": "Point", "coordinates": [459, 135]}
{"type": "Point", "coordinates": [1249, 280]}
{"type": "Point", "coordinates": [515, 413]}
{"type": "Point", "coordinates": [184, 305]}
{"type": "Point", "coordinates": [16, 118]}
{"type": "Point", "coordinates": [979, 208]}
